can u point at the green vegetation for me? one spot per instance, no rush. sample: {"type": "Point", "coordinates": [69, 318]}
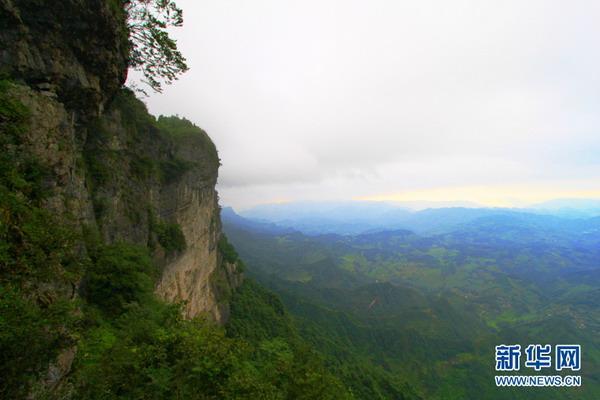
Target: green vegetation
{"type": "Point", "coordinates": [259, 317]}
{"type": "Point", "coordinates": [120, 275]}
{"type": "Point", "coordinates": [31, 336]}
{"type": "Point", "coordinates": [134, 114]}
{"type": "Point", "coordinates": [397, 314]}
{"type": "Point", "coordinates": [38, 260]}
{"type": "Point", "coordinates": [129, 344]}
{"type": "Point", "coordinates": [178, 127]}
{"type": "Point", "coordinates": [181, 130]}
{"type": "Point", "coordinates": [153, 51]}
{"type": "Point", "coordinates": [142, 167]}
{"type": "Point", "coordinates": [149, 351]}
{"type": "Point", "coordinates": [97, 170]}
{"type": "Point", "coordinates": [135, 346]}
{"type": "Point", "coordinates": [169, 236]}
{"type": "Point", "coordinates": [13, 114]}
{"type": "Point", "coordinates": [219, 279]}
{"type": "Point", "coordinates": [227, 250]}
{"type": "Point", "coordinates": [172, 170]}
{"type": "Point", "coordinates": [229, 253]}
{"type": "Point", "coordinates": [165, 166]}
{"type": "Point", "coordinates": [257, 314]}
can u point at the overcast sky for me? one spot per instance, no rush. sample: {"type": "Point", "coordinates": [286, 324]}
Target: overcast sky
{"type": "Point", "coordinates": [496, 102]}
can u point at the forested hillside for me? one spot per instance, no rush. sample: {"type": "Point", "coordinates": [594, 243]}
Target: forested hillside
{"type": "Point", "coordinates": [428, 310]}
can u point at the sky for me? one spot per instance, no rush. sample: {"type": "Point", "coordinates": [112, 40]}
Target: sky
{"type": "Point", "coordinates": [492, 102]}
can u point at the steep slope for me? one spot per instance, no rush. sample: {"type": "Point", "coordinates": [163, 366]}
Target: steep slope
{"type": "Point", "coordinates": [113, 167]}
{"type": "Point", "coordinates": [152, 182]}
{"type": "Point", "coordinates": [84, 166]}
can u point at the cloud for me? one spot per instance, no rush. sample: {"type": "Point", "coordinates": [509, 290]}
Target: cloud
{"type": "Point", "coordinates": [343, 99]}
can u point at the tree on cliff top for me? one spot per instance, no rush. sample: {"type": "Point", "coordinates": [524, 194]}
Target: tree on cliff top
{"type": "Point", "coordinates": [153, 51]}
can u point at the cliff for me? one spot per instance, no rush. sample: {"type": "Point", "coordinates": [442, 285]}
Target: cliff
{"type": "Point", "coordinates": [152, 182]}
{"type": "Point", "coordinates": [111, 168]}
{"type": "Point", "coordinates": [110, 234]}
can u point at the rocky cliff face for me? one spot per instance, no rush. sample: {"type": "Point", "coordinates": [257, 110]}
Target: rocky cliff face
{"type": "Point", "coordinates": [113, 168]}
{"type": "Point", "coordinates": [152, 182]}
{"type": "Point", "coordinates": [76, 49]}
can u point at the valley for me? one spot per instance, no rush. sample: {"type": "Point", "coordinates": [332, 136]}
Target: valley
{"type": "Point", "coordinates": [426, 310]}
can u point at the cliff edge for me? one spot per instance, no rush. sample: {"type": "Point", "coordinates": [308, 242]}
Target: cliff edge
{"type": "Point", "coordinates": [113, 169]}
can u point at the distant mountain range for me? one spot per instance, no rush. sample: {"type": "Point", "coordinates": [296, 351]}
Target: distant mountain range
{"type": "Point", "coordinates": [354, 217]}
{"type": "Point", "coordinates": [571, 208]}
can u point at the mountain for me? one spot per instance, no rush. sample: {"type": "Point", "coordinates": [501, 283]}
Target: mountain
{"type": "Point", "coordinates": [431, 308]}
{"type": "Point", "coordinates": [330, 217]}
{"type": "Point", "coordinates": [116, 281]}
{"type": "Point", "coordinates": [228, 215]}
{"type": "Point", "coordinates": [352, 218]}
{"type": "Point", "coordinates": [574, 208]}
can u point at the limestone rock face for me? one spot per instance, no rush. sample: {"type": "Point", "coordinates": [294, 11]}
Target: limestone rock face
{"type": "Point", "coordinates": [176, 186]}
{"type": "Point", "coordinates": [192, 202]}
{"type": "Point", "coordinates": [187, 277]}
{"type": "Point", "coordinates": [111, 166]}
{"type": "Point", "coordinates": [75, 49]}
